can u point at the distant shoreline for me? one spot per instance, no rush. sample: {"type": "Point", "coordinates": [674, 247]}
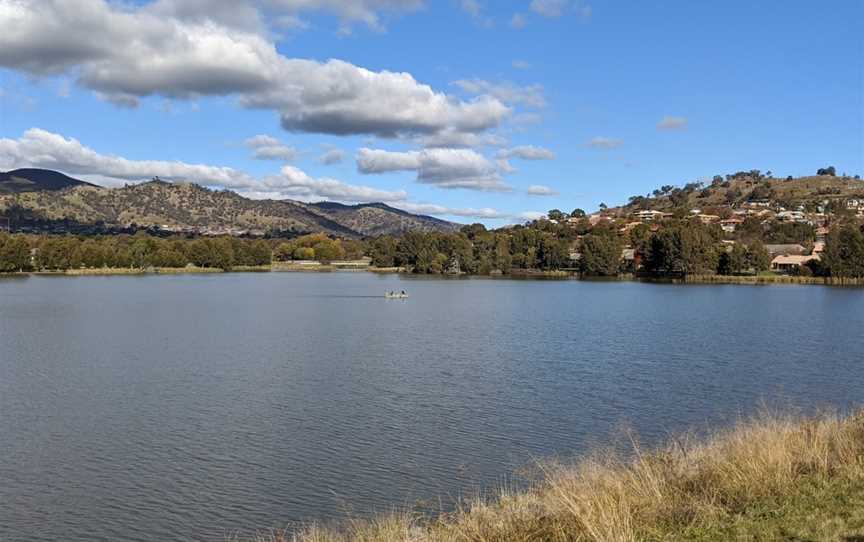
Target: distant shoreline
{"type": "Point", "coordinates": [519, 274]}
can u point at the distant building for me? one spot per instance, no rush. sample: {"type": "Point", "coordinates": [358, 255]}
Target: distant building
{"type": "Point", "coordinates": [791, 216]}
{"type": "Point", "coordinates": [786, 250]}
{"type": "Point", "coordinates": [708, 219]}
{"type": "Point", "coordinates": [648, 215]}
{"type": "Point", "coordinates": [790, 264]}
{"type": "Point", "coordinates": [729, 225]}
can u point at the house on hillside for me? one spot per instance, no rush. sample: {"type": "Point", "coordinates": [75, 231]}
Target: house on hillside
{"type": "Point", "coordinates": [648, 215]}
{"type": "Point", "coordinates": [785, 250]}
{"type": "Point", "coordinates": [791, 216]}
{"type": "Point", "coordinates": [708, 219]}
{"type": "Point", "coordinates": [791, 263]}
{"type": "Point", "coordinates": [729, 225]}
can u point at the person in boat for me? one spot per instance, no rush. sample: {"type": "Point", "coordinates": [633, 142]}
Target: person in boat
{"type": "Point", "coordinates": [404, 294]}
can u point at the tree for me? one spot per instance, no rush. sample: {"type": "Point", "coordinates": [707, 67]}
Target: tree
{"type": "Point", "coordinates": [304, 253]}
{"type": "Point", "coordinates": [844, 252]}
{"type": "Point", "coordinates": [829, 171]}
{"type": "Point", "coordinates": [602, 206]}
{"type": "Point", "coordinates": [14, 254]}
{"type": "Point", "coordinates": [601, 254]}
{"type": "Point", "coordinates": [684, 249]}
{"type": "Point", "coordinates": [556, 215]}
{"type": "Point", "coordinates": [734, 261]}
{"type": "Point", "coordinates": [383, 252]}
{"type": "Point", "coordinates": [758, 257]}
{"type": "Point", "coordinates": [577, 213]}
{"type": "Point", "coordinates": [284, 251]}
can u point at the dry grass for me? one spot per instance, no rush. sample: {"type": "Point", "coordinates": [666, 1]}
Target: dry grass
{"type": "Point", "coordinates": [772, 477]}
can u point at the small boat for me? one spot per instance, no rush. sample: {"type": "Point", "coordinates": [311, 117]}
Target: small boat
{"type": "Point", "coordinates": [396, 295]}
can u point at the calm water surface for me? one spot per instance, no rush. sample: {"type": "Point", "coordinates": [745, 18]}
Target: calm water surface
{"type": "Point", "coordinates": [188, 407]}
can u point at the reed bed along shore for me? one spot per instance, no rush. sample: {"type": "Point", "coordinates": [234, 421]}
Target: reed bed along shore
{"type": "Point", "coordinates": [770, 477]}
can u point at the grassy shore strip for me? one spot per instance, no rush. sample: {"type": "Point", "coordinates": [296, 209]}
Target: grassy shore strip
{"type": "Point", "coordinates": [771, 477]}
{"type": "Point", "coordinates": [771, 279]}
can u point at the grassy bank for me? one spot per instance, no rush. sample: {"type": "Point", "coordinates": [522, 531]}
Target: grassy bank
{"type": "Point", "coordinates": [771, 279]}
{"type": "Point", "coordinates": [772, 477]}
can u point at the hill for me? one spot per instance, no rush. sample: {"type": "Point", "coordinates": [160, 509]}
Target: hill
{"type": "Point", "coordinates": [186, 207]}
{"type": "Point", "coordinates": [32, 180]}
{"type": "Point", "coordinates": [747, 187]}
{"type": "Point", "coordinates": [375, 219]}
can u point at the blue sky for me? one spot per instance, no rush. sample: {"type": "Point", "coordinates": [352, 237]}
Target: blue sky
{"type": "Point", "coordinates": [567, 97]}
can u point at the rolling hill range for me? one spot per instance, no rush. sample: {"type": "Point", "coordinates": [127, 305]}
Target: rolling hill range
{"type": "Point", "coordinates": [190, 207]}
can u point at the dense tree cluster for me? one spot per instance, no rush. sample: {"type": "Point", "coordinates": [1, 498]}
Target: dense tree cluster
{"type": "Point", "coordinates": [58, 253]}
{"type": "Point", "coordinates": [318, 246]}
{"type": "Point", "coordinates": [476, 250]}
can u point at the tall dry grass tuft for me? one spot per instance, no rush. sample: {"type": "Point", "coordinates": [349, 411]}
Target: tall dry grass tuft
{"type": "Point", "coordinates": [690, 483]}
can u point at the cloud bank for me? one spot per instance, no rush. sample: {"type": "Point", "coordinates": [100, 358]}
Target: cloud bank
{"type": "Point", "coordinates": [185, 50]}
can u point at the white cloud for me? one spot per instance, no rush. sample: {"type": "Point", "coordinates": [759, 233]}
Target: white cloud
{"type": "Point", "coordinates": [453, 139]}
{"type": "Point", "coordinates": [601, 142]}
{"type": "Point", "coordinates": [350, 11]}
{"type": "Point", "coordinates": [521, 64]}
{"type": "Point", "coordinates": [672, 123]}
{"type": "Point", "coordinates": [549, 8]}
{"type": "Point", "coordinates": [527, 152]}
{"type": "Point", "coordinates": [43, 149]}
{"type": "Point", "coordinates": [504, 166]}
{"type": "Point", "coordinates": [541, 190]}
{"type": "Point", "coordinates": [445, 168]}
{"type": "Point", "coordinates": [531, 215]}
{"type": "Point", "coordinates": [332, 156]}
{"type": "Point", "coordinates": [294, 182]}
{"type": "Point", "coordinates": [265, 147]}
{"type": "Point", "coordinates": [171, 50]}
{"type": "Point", "coordinates": [531, 95]}
{"type": "Point", "coordinates": [517, 21]}
{"type": "Point", "coordinates": [467, 212]}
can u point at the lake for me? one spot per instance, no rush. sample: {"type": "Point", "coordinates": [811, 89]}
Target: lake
{"type": "Point", "coordinates": [191, 407]}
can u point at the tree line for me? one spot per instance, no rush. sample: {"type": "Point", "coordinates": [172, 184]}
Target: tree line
{"type": "Point", "coordinates": [675, 247]}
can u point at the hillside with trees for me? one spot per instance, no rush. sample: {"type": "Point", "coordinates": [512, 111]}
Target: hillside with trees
{"type": "Point", "coordinates": [190, 208]}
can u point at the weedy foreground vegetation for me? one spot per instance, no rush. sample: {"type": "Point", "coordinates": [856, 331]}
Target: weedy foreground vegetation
{"type": "Point", "coordinates": [771, 477]}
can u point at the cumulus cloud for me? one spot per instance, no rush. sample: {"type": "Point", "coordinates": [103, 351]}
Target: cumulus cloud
{"type": "Point", "coordinates": [332, 156]}
{"type": "Point", "coordinates": [454, 139]}
{"type": "Point", "coordinates": [549, 8]}
{"type": "Point", "coordinates": [601, 142]}
{"type": "Point", "coordinates": [265, 147]}
{"type": "Point", "coordinates": [672, 123]}
{"type": "Point", "coordinates": [530, 96]}
{"type": "Point", "coordinates": [527, 152]}
{"type": "Point", "coordinates": [467, 212]}
{"type": "Point", "coordinates": [43, 149]}
{"type": "Point", "coordinates": [294, 182]}
{"type": "Point", "coordinates": [445, 168]}
{"type": "Point", "coordinates": [127, 53]}
{"type": "Point", "coordinates": [541, 190]}
{"type": "Point", "coordinates": [350, 11]}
